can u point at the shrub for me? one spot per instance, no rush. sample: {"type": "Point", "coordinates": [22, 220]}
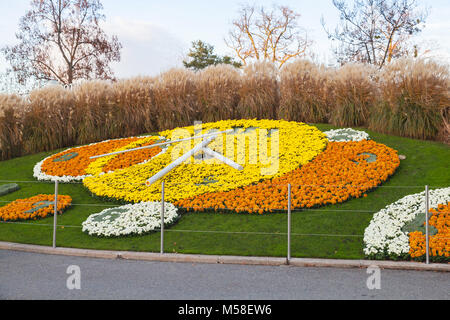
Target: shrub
{"type": "Point", "coordinates": [134, 98]}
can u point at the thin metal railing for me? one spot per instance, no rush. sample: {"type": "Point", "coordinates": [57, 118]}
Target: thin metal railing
{"type": "Point", "coordinates": [289, 211]}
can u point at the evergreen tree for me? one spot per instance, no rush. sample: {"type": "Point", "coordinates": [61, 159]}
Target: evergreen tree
{"type": "Point", "coordinates": [202, 55]}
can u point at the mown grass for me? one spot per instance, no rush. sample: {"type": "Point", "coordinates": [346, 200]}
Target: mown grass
{"type": "Point", "coordinates": [329, 232]}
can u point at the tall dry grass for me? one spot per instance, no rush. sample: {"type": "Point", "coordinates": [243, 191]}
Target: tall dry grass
{"type": "Point", "coordinates": [48, 122]}
{"type": "Point", "coordinates": [306, 94]}
{"type": "Point", "coordinates": [414, 94]}
{"type": "Point", "coordinates": [259, 93]}
{"type": "Point", "coordinates": [97, 116]}
{"type": "Point", "coordinates": [174, 94]}
{"type": "Point", "coordinates": [137, 109]}
{"type": "Point", "coordinates": [354, 94]}
{"type": "Point", "coordinates": [408, 98]}
{"type": "Point", "coordinates": [218, 92]}
{"type": "Point", "coordinates": [11, 134]}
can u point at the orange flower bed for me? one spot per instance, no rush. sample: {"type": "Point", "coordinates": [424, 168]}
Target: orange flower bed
{"type": "Point", "coordinates": [334, 176]}
{"type": "Point", "coordinates": [77, 165]}
{"type": "Point", "coordinates": [439, 243]}
{"type": "Point", "coordinates": [33, 208]}
{"type": "Point", "coordinates": [125, 160]}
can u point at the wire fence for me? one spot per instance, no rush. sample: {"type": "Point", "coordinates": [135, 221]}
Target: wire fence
{"type": "Point", "coordinates": [285, 227]}
{"type": "Point", "coordinates": [52, 182]}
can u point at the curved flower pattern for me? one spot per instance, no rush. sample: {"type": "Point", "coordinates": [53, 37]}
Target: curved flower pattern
{"type": "Point", "coordinates": [440, 242]}
{"type": "Point", "coordinates": [73, 164]}
{"type": "Point", "coordinates": [39, 206]}
{"type": "Point", "coordinates": [323, 168]}
{"type": "Point", "coordinates": [131, 219]}
{"type": "Point", "coordinates": [341, 172]}
{"type": "Point", "coordinates": [385, 236]}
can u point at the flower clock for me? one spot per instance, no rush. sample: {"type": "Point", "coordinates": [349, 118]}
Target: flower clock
{"type": "Point", "coordinates": [322, 168]}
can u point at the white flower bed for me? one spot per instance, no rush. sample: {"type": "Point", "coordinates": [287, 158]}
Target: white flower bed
{"type": "Point", "coordinates": [130, 219]}
{"type": "Point", "coordinates": [384, 233]}
{"type": "Point", "coordinates": [347, 134]}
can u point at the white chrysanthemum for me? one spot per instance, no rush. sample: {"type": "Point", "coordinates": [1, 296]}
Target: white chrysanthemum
{"type": "Point", "coordinates": [130, 219]}
{"type": "Point", "coordinates": [347, 134]}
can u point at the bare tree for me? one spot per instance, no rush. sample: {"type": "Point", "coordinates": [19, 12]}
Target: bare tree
{"type": "Point", "coordinates": [62, 40]}
{"type": "Point", "coordinates": [375, 31]}
{"type": "Point", "coordinates": [272, 35]}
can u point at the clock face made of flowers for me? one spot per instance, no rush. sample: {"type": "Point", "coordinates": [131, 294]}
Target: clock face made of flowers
{"type": "Point", "coordinates": [272, 153]}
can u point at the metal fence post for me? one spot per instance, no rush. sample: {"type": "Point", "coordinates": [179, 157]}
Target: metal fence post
{"type": "Point", "coordinates": [427, 208]}
{"type": "Point", "coordinates": [289, 226]}
{"type": "Point", "coordinates": [55, 214]}
{"type": "Point", "coordinates": [162, 217]}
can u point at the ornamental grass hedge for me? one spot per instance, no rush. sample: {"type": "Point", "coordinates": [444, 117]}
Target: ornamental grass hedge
{"type": "Point", "coordinates": [408, 97]}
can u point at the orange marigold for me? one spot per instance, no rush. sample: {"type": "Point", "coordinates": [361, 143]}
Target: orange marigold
{"type": "Point", "coordinates": [440, 242]}
{"type": "Point", "coordinates": [129, 159]}
{"type": "Point", "coordinates": [73, 162]}
{"type": "Point", "coordinates": [340, 172]}
{"type": "Point", "coordinates": [33, 208]}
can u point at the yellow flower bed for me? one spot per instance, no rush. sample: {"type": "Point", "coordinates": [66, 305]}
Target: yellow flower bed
{"type": "Point", "coordinates": [297, 144]}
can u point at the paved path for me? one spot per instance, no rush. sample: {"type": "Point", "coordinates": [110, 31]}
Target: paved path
{"type": "Point", "coordinates": [26, 275]}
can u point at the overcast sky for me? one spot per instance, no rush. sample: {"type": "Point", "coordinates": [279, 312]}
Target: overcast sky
{"type": "Point", "coordinates": [156, 35]}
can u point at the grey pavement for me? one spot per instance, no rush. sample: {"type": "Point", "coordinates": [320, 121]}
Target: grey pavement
{"type": "Point", "coordinates": [25, 275]}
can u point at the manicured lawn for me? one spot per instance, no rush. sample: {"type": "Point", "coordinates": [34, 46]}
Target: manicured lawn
{"type": "Point", "coordinates": [329, 232]}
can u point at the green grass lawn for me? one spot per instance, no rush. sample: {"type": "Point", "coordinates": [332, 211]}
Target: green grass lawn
{"type": "Point", "coordinates": [329, 232]}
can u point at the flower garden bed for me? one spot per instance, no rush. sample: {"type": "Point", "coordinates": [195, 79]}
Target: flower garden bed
{"type": "Point", "coordinates": [74, 164]}
{"type": "Point", "coordinates": [33, 208]}
{"type": "Point", "coordinates": [396, 232]}
{"type": "Point", "coordinates": [131, 219]}
{"type": "Point", "coordinates": [320, 174]}
{"type": "Point", "coordinates": [426, 163]}
{"type": "Point", "coordinates": [323, 168]}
